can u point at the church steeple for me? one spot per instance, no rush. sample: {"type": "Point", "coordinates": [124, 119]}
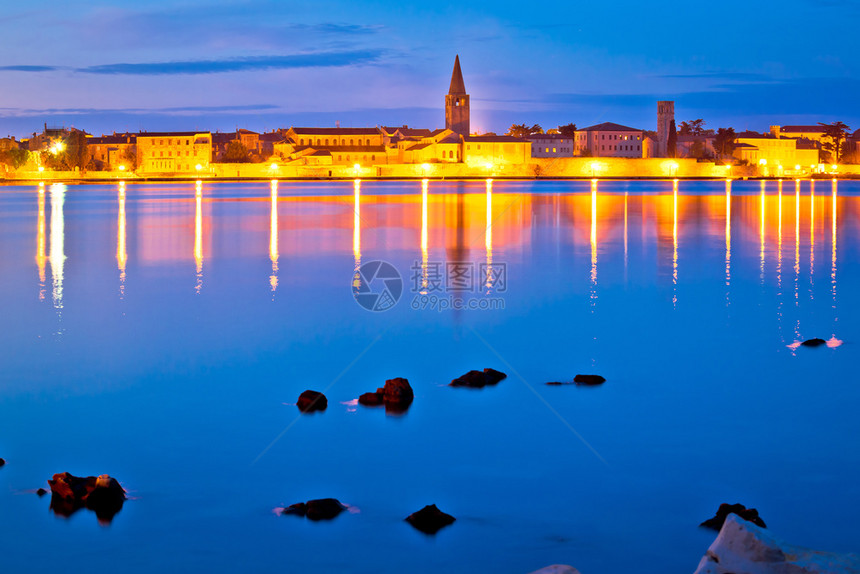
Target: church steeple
{"type": "Point", "coordinates": [458, 88]}
{"type": "Point", "coordinates": [457, 103]}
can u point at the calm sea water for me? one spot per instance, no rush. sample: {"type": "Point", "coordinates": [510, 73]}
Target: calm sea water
{"type": "Point", "coordinates": [162, 333]}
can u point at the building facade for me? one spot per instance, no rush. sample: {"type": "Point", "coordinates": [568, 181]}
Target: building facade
{"type": "Point", "coordinates": [184, 153]}
{"type": "Point", "coordinates": [551, 145]}
{"type": "Point", "coordinates": [665, 118]}
{"type": "Point", "coordinates": [492, 151]}
{"type": "Point", "coordinates": [609, 140]}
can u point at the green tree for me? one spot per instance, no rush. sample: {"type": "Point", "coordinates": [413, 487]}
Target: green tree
{"type": "Point", "coordinates": [724, 142]}
{"type": "Point", "coordinates": [236, 152]}
{"type": "Point", "coordinates": [672, 143]}
{"type": "Point", "coordinates": [692, 128]}
{"type": "Point", "coordinates": [129, 157]}
{"type": "Point", "coordinates": [76, 154]}
{"type": "Point", "coordinates": [835, 134]}
{"type": "Point", "coordinates": [567, 130]}
{"type": "Point", "coordinates": [15, 157]}
{"type": "Point", "coordinates": [523, 131]}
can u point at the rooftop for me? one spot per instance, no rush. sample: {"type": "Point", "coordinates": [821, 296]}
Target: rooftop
{"type": "Point", "coordinates": [609, 127]}
{"type": "Point", "coordinates": [337, 131]}
{"type": "Point", "coordinates": [458, 88]}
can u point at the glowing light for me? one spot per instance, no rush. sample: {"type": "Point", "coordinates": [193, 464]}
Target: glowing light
{"type": "Point", "coordinates": [273, 166]}
{"type": "Point", "coordinates": [424, 242]}
{"type": "Point", "coordinates": [593, 296]}
{"type": "Point", "coordinates": [426, 166]}
{"type": "Point", "coordinates": [273, 237]}
{"type": "Point", "coordinates": [762, 161]}
{"type": "Point", "coordinates": [57, 250]}
{"type": "Point", "coordinates": [198, 234]}
{"type": "Point", "coordinates": [675, 242]}
{"type": "Point", "coordinates": [122, 168]}
{"type": "Point", "coordinates": [488, 166]}
{"type": "Point", "coordinates": [489, 234]}
{"type": "Point", "coordinates": [356, 226]}
{"type": "Point", "coordinates": [41, 168]}
{"type": "Point", "coordinates": [596, 168]}
{"type": "Point", "coordinates": [834, 167]}
{"type": "Point", "coordinates": [198, 167]}
{"type": "Point", "coordinates": [57, 148]}
{"type": "Point", "coordinates": [670, 167]}
{"type": "Point", "coordinates": [797, 168]}
{"type": "Point", "coordinates": [121, 252]}
{"type": "Point", "coordinates": [357, 167]}
{"type": "Point", "coordinates": [41, 242]}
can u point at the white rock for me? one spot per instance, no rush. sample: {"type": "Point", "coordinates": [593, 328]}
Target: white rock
{"type": "Point", "coordinates": [744, 548]}
{"type": "Point", "coordinates": [557, 569]}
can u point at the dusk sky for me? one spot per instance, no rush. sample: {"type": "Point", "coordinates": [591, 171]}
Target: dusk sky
{"type": "Point", "coordinates": [262, 64]}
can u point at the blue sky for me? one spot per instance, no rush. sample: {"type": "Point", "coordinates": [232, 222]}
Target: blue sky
{"type": "Point", "coordinates": [262, 64]}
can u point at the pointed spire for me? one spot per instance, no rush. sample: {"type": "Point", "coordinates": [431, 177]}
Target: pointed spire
{"type": "Point", "coordinates": [458, 88]}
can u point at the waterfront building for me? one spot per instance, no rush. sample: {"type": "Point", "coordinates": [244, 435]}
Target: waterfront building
{"type": "Point", "coordinates": [775, 153]}
{"type": "Point", "coordinates": [492, 151]}
{"type": "Point", "coordinates": [609, 140]}
{"type": "Point", "coordinates": [179, 153]}
{"type": "Point", "coordinates": [111, 151]}
{"type": "Point", "coordinates": [551, 145]}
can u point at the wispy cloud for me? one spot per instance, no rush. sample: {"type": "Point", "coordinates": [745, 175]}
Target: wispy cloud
{"type": "Point", "coordinates": [220, 66]}
{"type": "Point", "coordinates": [145, 111]}
{"type": "Point", "coordinates": [725, 76]}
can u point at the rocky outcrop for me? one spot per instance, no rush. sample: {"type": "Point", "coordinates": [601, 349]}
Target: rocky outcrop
{"type": "Point", "coordinates": [2, 461]}
{"type": "Point", "coordinates": [430, 519]}
{"type": "Point", "coordinates": [814, 342]}
{"type": "Point", "coordinates": [588, 380]}
{"type": "Point", "coordinates": [396, 395]}
{"type": "Point", "coordinates": [103, 495]}
{"type": "Point", "coordinates": [744, 548]}
{"type": "Point", "coordinates": [557, 569]}
{"type": "Point", "coordinates": [41, 492]}
{"type": "Point", "coordinates": [478, 379]}
{"type": "Point", "coordinates": [312, 401]}
{"type": "Point", "coordinates": [320, 509]}
{"type": "Point", "coordinates": [749, 514]}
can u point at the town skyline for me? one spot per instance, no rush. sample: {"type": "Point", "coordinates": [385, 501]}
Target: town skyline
{"type": "Point", "coordinates": [260, 66]}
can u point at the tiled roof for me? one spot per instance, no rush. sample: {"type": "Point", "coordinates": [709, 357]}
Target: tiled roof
{"type": "Point", "coordinates": [802, 129]}
{"type": "Point", "coordinates": [609, 127]}
{"type": "Point", "coordinates": [457, 88]}
{"type": "Point", "coordinates": [169, 134]}
{"type": "Point", "coordinates": [337, 131]}
{"type": "Point", "coordinates": [112, 139]}
{"type": "Point", "coordinates": [494, 139]}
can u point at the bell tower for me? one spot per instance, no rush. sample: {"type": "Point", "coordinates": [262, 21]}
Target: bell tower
{"type": "Point", "coordinates": [457, 103]}
{"type": "Point", "coordinates": [665, 117]}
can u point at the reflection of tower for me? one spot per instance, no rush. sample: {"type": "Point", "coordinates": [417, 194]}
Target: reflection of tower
{"type": "Point", "coordinates": [457, 103]}
{"type": "Point", "coordinates": [665, 117]}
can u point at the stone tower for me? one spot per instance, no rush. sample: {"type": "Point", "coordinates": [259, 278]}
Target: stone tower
{"type": "Point", "coordinates": [457, 103]}
{"type": "Point", "coordinates": [665, 116]}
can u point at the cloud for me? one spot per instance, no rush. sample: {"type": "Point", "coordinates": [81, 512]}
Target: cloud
{"type": "Point", "coordinates": [725, 76]}
{"type": "Point", "coordinates": [246, 64]}
{"type": "Point", "coordinates": [29, 68]}
{"type": "Point", "coordinates": [20, 112]}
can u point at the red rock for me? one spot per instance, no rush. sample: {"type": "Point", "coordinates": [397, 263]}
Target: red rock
{"type": "Point", "coordinates": [371, 399]}
{"type": "Point", "coordinates": [312, 401]}
{"type": "Point", "coordinates": [478, 379]}
{"type": "Point", "coordinates": [430, 519]}
{"type": "Point", "coordinates": [588, 380]}
{"type": "Point", "coordinates": [397, 391]}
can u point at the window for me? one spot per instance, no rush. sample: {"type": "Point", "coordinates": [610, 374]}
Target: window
{"type": "Point", "coordinates": [162, 154]}
{"type": "Point", "coordinates": [601, 147]}
{"type": "Point", "coordinates": [187, 142]}
{"type": "Point", "coordinates": [160, 142]}
{"type": "Point", "coordinates": [351, 141]}
{"type": "Point", "coordinates": [326, 141]}
{"type": "Point", "coordinates": [373, 157]}
{"type": "Point", "coordinates": [602, 136]}
{"type": "Point", "coordinates": [347, 157]}
{"type": "Point", "coordinates": [339, 157]}
{"type": "Point", "coordinates": [301, 142]}
{"type": "Point", "coordinates": [553, 150]}
{"type": "Point", "coordinates": [186, 153]}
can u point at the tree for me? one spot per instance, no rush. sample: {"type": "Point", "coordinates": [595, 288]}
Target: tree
{"type": "Point", "coordinates": [724, 142]}
{"type": "Point", "coordinates": [835, 134]}
{"type": "Point", "coordinates": [672, 143]}
{"type": "Point", "coordinates": [236, 152]}
{"type": "Point", "coordinates": [692, 128]}
{"type": "Point", "coordinates": [568, 130]}
{"type": "Point", "coordinates": [524, 131]}
{"type": "Point", "coordinates": [129, 157]}
{"type": "Point", "coordinates": [76, 153]}
{"type": "Point", "coordinates": [15, 157]}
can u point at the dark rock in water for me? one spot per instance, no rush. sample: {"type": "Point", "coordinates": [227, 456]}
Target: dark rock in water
{"type": "Point", "coordinates": [299, 509]}
{"type": "Point", "coordinates": [430, 519]}
{"type": "Point", "coordinates": [103, 495]}
{"type": "Point", "coordinates": [397, 392]}
{"type": "Point", "coordinates": [748, 514]}
{"type": "Point", "coordinates": [311, 401]}
{"type": "Point", "coordinates": [814, 342]}
{"type": "Point", "coordinates": [371, 399]}
{"type": "Point", "coordinates": [320, 509]}
{"type": "Point", "coordinates": [558, 383]}
{"type": "Point", "coordinates": [2, 461]}
{"type": "Point", "coordinates": [588, 380]}
{"type": "Point", "coordinates": [478, 379]}
{"type": "Point", "coordinates": [41, 492]}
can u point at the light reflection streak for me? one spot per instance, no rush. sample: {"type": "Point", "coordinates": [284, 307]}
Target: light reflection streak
{"type": "Point", "coordinates": [198, 234]}
{"type": "Point", "coordinates": [121, 251]}
{"type": "Point", "coordinates": [779, 237]}
{"type": "Point", "coordinates": [797, 255]}
{"type": "Point", "coordinates": [489, 235]}
{"type": "Point", "coordinates": [833, 256]}
{"type": "Point", "coordinates": [811, 238]}
{"type": "Point", "coordinates": [625, 236]}
{"type": "Point", "coordinates": [728, 238]}
{"type": "Point", "coordinates": [593, 295]}
{"type": "Point", "coordinates": [761, 230]}
{"type": "Point", "coordinates": [356, 224]}
{"type": "Point", "coordinates": [41, 241]}
{"type": "Point", "coordinates": [273, 236]}
{"type": "Point", "coordinates": [424, 244]}
{"type": "Point", "coordinates": [57, 253]}
{"type": "Point", "coordinates": [675, 243]}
